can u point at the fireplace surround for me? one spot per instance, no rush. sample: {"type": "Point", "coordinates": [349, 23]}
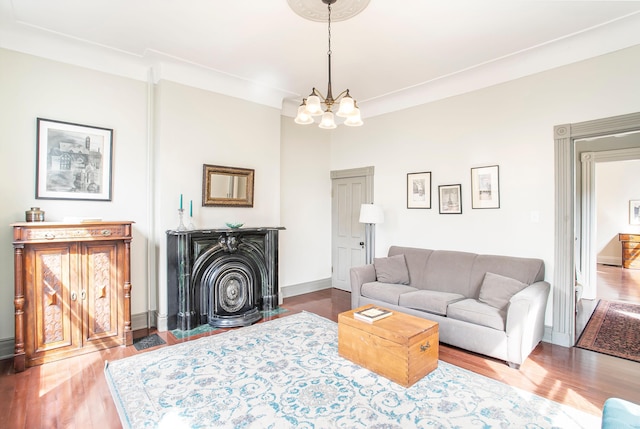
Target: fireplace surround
{"type": "Point", "coordinates": [223, 277]}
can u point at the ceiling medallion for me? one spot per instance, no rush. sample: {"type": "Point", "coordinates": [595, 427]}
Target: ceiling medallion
{"type": "Point", "coordinates": [316, 10]}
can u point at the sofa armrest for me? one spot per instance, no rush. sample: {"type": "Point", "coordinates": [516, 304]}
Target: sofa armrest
{"type": "Point", "coordinates": [359, 276]}
{"type": "Point", "coordinates": [525, 320]}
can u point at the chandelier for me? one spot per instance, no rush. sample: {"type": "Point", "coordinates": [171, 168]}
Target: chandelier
{"type": "Point", "coordinates": [312, 105]}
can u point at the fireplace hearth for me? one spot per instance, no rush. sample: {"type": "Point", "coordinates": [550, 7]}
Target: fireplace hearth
{"type": "Point", "coordinates": [223, 277]}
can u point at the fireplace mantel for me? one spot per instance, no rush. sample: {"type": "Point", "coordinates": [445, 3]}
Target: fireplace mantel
{"type": "Point", "coordinates": [223, 277]}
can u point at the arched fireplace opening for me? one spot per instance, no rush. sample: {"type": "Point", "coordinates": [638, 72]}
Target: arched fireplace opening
{"type": "Point", "coordinates": [221, 277]}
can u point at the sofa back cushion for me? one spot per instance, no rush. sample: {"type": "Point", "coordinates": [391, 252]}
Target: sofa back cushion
{"type": "Point", "coordinates": [525, 270]}
{"type": "Point", "coordinates": [416, 260]}
{"type": "Point", "coordinates": [463, 272]}
{"type": "Point", "coordinates": [440, 270]}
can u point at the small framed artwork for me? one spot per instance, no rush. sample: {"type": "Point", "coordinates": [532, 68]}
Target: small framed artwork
{"type": "Point", "coordinates": [450, 199]}
{"type": "Point", "coordinates": [485, 188]}
{"type": "Point", "coordinates": [419, 190]}
{"type": "Point", "coordinates": [634, 212]}
{"type": "Point", "coordinates": [73, 161]}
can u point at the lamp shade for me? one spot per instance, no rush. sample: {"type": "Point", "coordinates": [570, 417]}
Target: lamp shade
{"type": "Point", "coordinates": [370, 213]}
{"type": "Point", "coordinates": [327, 121]}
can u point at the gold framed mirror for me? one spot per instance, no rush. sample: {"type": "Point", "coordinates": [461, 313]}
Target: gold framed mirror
{"type": "Point", "coordinates": [227, 186]}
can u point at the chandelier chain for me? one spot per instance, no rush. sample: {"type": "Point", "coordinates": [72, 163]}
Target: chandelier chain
{"type": "Point", "coordinates": [311, 106]}
{"type": "Point", "coordinates": [329, 32]}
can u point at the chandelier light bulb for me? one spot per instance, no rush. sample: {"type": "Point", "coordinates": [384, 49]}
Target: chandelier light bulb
{"type": "Point", "coordinates": [313, 105]}
{"type": "Point", "coordinates": [346, 106]}
{"type": "Point", "coordinates": [303, 117]}
{"type": "Point", "coordinates": [327, 122]}
{"type": "Point", "coordinates": [354, 119]}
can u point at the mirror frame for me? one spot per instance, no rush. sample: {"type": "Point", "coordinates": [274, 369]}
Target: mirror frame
{"type": "Point", "coordinates": [208, 200]}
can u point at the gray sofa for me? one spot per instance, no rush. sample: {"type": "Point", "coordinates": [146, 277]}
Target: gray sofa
{"type": "Point", "coordinates": [488, 304]}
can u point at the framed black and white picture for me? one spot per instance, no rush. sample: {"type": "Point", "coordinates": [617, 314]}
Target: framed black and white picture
{"type": "Point", "coordinates": [419, 190]}
{"type": "Point", "coordinates": [634, 212]}
{"type": "Point", "coordinates": [450, 199]}
{"type": "Point", "coordinates": [73, 161]}
{"type": "Point", "coordinates": [485, 187]}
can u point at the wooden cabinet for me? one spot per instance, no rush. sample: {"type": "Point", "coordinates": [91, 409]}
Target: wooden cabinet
{"type": "Point", "coordinates": [630, 250]}
{"type": "Point", "coordinates": [72, 289]}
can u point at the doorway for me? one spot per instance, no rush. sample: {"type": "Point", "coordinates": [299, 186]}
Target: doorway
{"type": "Point", "coordinates": [568, 219]}
{"type": "Point", "coordinates": [349, 189]}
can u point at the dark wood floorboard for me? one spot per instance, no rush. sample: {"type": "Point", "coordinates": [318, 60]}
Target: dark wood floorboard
{"type": "Point", "coordinates": [73, 393]}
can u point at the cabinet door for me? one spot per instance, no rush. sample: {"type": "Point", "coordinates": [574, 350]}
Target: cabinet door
{"type": "Point", "coordinates": [51, 305]}
{"type": "Point", "coordinates": [100, 292]}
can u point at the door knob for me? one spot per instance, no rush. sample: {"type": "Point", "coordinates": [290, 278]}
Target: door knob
{"type": "Point", "coordinates": [362, 243]}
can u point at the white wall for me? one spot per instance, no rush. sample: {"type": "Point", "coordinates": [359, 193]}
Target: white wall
{"type": "Point", "coordinates": [32, 87]}
{"type": "Point", "coordinates": [196, 127]}
{"type": "Point", "coordinates": [510, 125]}
{"type": "Point", "coordinates": [163, 135]}
{"type": "Point", "coordinates": [305, 247]}
{"type": "Point", "coordinates": [616, 184]}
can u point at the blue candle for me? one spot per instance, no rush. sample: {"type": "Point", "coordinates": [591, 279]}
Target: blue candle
{"type": "Point", "coordinates": [180, 201]}
{"type": "Point", "coordinates": [191, 208]}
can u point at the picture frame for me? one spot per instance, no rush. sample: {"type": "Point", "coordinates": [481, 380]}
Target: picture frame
{"type": "Point", "coordinates": [419, 190]}
{"type": "Point", "coordinates": [450, 199]}
{"type": "Point", "coordinates": [227, 186]}
{"type": "Point", "coordinates": [485, 187]}
{"type": "Point", "coordinates": [73, 161]}
{"type": "Point", "coordinates": [634, 212]}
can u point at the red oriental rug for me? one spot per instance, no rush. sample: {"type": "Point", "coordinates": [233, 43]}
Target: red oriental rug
{"type": "Point", "coordinates": [614, 329]}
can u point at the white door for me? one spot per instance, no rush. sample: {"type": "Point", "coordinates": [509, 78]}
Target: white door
{"type": "Point", "coordinates": [348, 234]}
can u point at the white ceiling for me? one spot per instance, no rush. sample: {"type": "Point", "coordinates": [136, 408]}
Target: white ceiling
{"type": "Point", "coordinates": [393, 55]}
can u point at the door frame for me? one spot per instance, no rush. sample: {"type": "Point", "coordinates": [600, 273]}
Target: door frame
{"type": "Point", "coordinates": [367, 173]}
{"type": "Point", "coordinates": [564, 302]}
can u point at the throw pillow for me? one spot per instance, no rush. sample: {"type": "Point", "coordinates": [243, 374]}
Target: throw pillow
{"type": "Point", "coordinates": [392, 270]}
{"type": "Point", "coordinates": [497, 290]}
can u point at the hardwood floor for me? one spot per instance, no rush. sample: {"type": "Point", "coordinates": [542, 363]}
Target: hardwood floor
{"type": "Point", "coordinates": [73, 393]}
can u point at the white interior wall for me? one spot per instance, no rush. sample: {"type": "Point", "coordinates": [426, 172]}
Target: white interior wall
{"type": "Point", "coordinates": [616, 184]}
{"type": "Point", "coordinates": [510, 125]}
{"type": "Point", "coordinates": [33, 87]}
{"type": "Point", "coordinates": [192, 127]}
{"type": "Point", "coordinates": [305, 246]}
{"type": "Point", "coordinates": [196, 127]}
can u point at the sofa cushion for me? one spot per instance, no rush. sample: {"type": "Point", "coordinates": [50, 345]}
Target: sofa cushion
{"type": "Point", "coordinates": [392, 269]}
{"type": "Point", "coordinates": [497, 290]}
{"type": "Point", "coordinates": [429, 300]}
{"type": "Point", "coordinates": [470, 310]}
{"type": "Point", "coordinates": [386, 292]}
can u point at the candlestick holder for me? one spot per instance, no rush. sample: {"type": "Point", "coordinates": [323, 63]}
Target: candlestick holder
{"type": "Point", "coordinates": [191, 225]}
{"type": "Point", "coordinates": [181, 226]}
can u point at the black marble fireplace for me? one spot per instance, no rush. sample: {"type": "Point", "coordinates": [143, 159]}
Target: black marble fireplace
{"type": "Point", "coordinates": [223, 277]}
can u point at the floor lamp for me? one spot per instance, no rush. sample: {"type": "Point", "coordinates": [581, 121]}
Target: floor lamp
{"type": "Point", "coordinates": [370, 215]}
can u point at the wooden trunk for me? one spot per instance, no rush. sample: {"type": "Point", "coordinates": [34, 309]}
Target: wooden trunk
{"type": "Point", "coordinates": [402, 348]}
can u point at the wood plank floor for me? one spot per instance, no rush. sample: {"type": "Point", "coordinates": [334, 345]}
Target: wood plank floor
{"type": "Point", "coordinates": [73, 393]}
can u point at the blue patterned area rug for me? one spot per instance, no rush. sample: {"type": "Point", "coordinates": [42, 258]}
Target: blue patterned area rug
{"type": "Point", "coordinates": [286, 373]}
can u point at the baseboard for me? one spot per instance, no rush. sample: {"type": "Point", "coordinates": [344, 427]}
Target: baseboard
{"type": "Point", "coordinates": [610, 260]}
{"type": "Point", "coordinates": [141, 320]}
{"type": "Point", "coordinates": [7, 347]}
{"type": "Point", "coordinates": [302, 288]}
{"type": "Point", "coordinates": [561, 339]}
